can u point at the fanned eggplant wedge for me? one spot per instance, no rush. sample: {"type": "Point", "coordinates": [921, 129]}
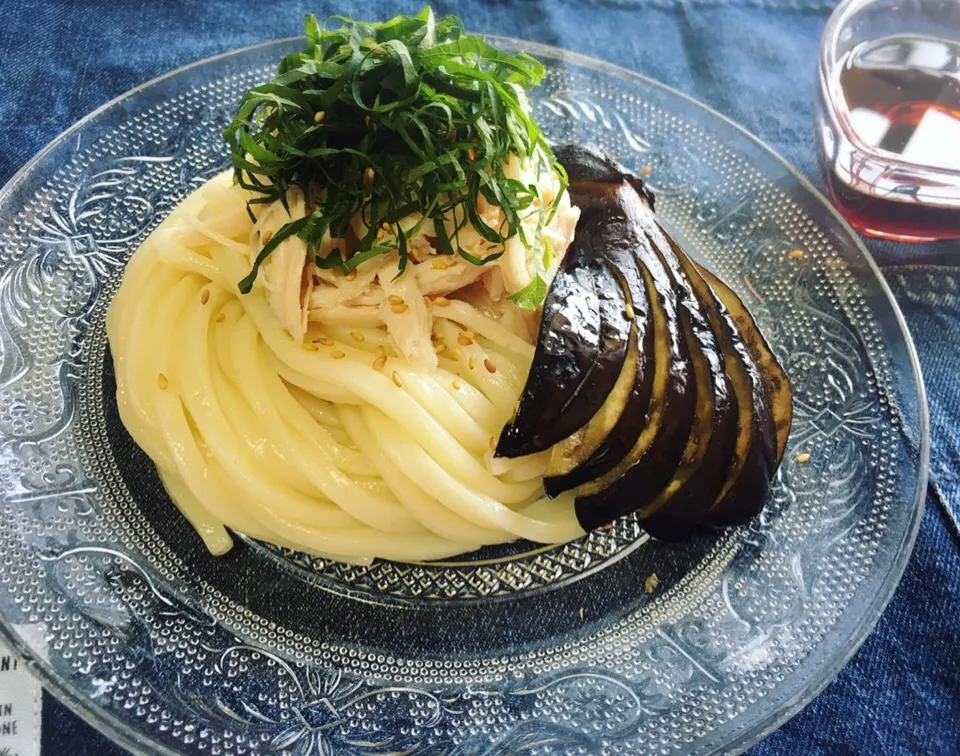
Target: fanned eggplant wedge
{"type": "Point", "coordinates": [651, 384]}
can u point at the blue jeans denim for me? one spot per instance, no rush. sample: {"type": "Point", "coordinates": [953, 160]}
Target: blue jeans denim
{"type": "Point", "coordinates": [753, 60]}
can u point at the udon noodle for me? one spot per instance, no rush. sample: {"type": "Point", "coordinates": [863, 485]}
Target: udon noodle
{"type": "Point", "coordinates": [311, 413]}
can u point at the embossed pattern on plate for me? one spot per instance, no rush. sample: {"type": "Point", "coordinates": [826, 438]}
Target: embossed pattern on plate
{"type": "Point", "coordinates": [569, 648]}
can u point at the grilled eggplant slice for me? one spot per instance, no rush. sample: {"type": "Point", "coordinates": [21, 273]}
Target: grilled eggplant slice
{"type": "Point", "coordinates": [567, 349]}
{"type": "Point", "coordinates": [778, 385]}
{"type": "Point", "coordinates": [650, 463]}
{"type": "Point", "coordinates": [745, 491]}
{"type": "Point", "coordinates": [571, 452]}
{"type": "Point", "coordinates": [583, 336]}
{"type": "Point", "coordinates": [652, 427]}
{"type": "Point", "coordinates": [580, 351]}
{"type": "Point", "coordinates": [679, 508]}
{"type": "Point", "coordinates": [704, 466]}
{"type": "Point", "coordinates": [608, 437]}
{"type": "Point", "coordinates": [673, 405]}
{"type": "Point", "coordinates": [588, 168]}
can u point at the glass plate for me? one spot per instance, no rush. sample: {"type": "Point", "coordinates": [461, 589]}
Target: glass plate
{"type": "Point", "coordinates": [612, 644]}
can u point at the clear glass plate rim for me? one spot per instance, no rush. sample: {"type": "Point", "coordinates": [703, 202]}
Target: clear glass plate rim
{"type": "Point", "coordinates": [131, 739]}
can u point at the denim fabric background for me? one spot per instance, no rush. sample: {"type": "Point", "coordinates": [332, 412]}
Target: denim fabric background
{"type": "Point", "coordinates": [753, 60]}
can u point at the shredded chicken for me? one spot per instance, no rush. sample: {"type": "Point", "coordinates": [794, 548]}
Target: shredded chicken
{"type": "Point", "coordinates": [376, 293]}
{"type": "Point", "coordinates": [333, 288]}
{"type": "Point", "coordinates": [441, 275]}
{"type": "Point", "coordinates": [403, 310]}
{"type": "Point", "coordinates": [284, 276]}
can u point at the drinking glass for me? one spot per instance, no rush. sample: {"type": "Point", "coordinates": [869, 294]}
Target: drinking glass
{"type": "Point", "coordinates": [888, 116]}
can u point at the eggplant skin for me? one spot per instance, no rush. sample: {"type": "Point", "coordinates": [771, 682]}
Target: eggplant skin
{"type": "Point", "coordinates": [755, 458]}
{"type": "Point", "coordinates": [779, 389]}
{"type": "Point", "coordinates": [587, 167]}
{"type": "Point", "coordinates": [651, 383]}
{"type": "Point", "coordinates": [568, 347]}
{"type": "Point", "coordinates": [568, 456]}
{"type": "Point", "coordinates": [583, 335]}
{"type": "Point", "coordinates": [622, 425]}
{"type": "Point", "coordinates": [663, 432]}
{"type": "Point", "coordinates": [682, 505]}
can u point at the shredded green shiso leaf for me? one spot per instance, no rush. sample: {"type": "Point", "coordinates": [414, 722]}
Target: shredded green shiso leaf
{"type": "Point", "coordinates": [412, 115]}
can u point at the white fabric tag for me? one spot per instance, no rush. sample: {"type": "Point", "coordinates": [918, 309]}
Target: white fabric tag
{"type": "Point", "coordinates": [20, 699]}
